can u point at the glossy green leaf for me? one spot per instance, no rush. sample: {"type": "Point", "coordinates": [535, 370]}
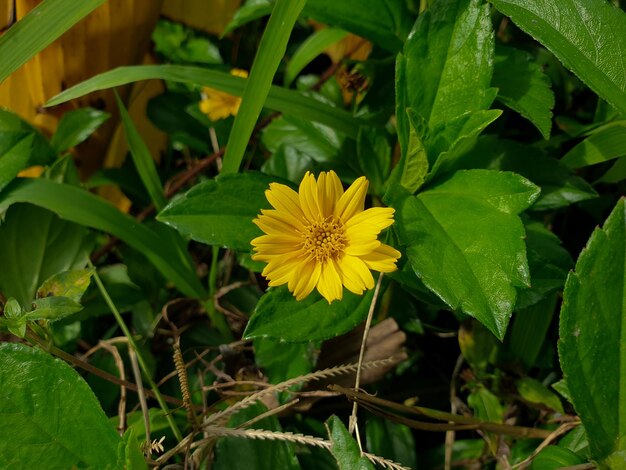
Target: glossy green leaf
{"type": "Point", "coordinates": [310, 48]}
{"type": "Point", "coordinates": [34, 245]}
{"type": "Point", "coordinates": [477, 344]}
{"type": "Point", "coordinates": [524, 87]}
{"type": "Point", "coordinates": [280, 316]}
{"type": "Point", "coordinates": [464, 240]}
{"type": "Point", "coordinates": [555, 457]}
{"type": "Point", "coordinates": [232, 452]}
{"type": "Point", "coordinates": [391, 440]}
{"type": "Point", "coordinates": [79, 206]}
{"type": "Point", "coordinates": [220, 212]}
{"type": "Point", "coordinates": [288, 163]}
{"type": "Point", "coordinates": [71, 284]}
{"type": "Point", "coordinates": [271, 49]}
{"type": "Point", "coordinates": [49, 415]}
{"type": "Point", "coordinates": [130, 450]}
{"type": "Point", "coordinates": [411, 170]}
{"type": "Point", "coordinates": [445, 68]}
{"type": "Point", "coordinates": [591, 344]}
{"type": "Point", "coordinates": [142, 158]}
{"type": "Point", "coordinates": [42, 25]}
{"type": "Point", "coordinates": [21, 146]}
{"type": "Point", "coordinates": [535, 392]}
{"type": "Point", "coordinates": [344, 448]}
{"type": "Point", "coordinates": [374, 155]}
{"type": "Point", "coordinates": [384, 22]}
{"type": "Point", "coordinates": [279, 99]}
{"type": "Point", "coordinates": [75, 127]}
{"type": "Point", "coordinates": [605, 143]}
{"type": "Point", "coordinates": [559, 186]}
{"type": "Point", "coordinates": [13, 320]}
{"type": "Point", "coordinates": [577, 32]}
{"type": "Point", "coordinates": [616, 173]}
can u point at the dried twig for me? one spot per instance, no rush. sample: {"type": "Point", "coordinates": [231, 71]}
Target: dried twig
{"type": "Point", "coordinates": [142, 396]}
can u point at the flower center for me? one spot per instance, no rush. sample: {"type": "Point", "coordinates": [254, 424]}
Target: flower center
{"type": "Point", "coordinates": [325, 240]}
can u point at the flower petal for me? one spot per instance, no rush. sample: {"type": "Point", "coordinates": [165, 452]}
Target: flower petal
{"type": "Point", "coordinates": [284, 217]}
{"type": "Point", "coordinates": [353, 200]}
{"type": "Point", "coordinates": [355, 268]}
{"type": "Point", "coordinates": [308, 280]}
{"type": "Point", "coordinates": [381, 217]}
{"type": "Point", "coordinates": [382, 259]}
{"type": "Point", "coordinates": [307, 195]}
{"type": "Point", "coordinates": [329, 190]}
{"type": "Point", "coordinates": [284, 199]}
{"type": "Point", "coordinates": [329, 284]}
{"type": "Point", "coordinates": [349, 277]}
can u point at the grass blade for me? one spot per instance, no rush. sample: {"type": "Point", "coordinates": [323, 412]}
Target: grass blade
{"type": "Point", "coordinates": [79, 206]}
{"type": "Point", "coordinates": [46, 22]}
{"type": "Point", "coordinates": [271, 50]}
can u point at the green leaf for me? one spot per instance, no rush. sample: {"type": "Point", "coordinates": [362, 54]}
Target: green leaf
{"type": "Point", "coordinates": [280, 316]}
{"type": "Point", "coordinates": [251, 454]}
{"type": "Point", "coordinates": [391, 440]}
{"type": "Point", "coordinates": [549, 265]}
{"type": "Point", "coordinates": [279, 99]}
{"type": "Point", "coordinates": [220, 212]}
{"type": "Point", "coordinates": [411, 170]}
{"type": "Point", "coordinates": [559, 186]}
{"type": "Point", "coordinates": [281, 361]}
{"type": "Point", "coordinates": [528, 333]}
{"type": "Point", "coordinates": [42, 25]}
{"type": "Point", "coordinates": [592, 344]}
{"type": "Point", "coordinates": [310, 48]}
{"type": "Point", "coordinates": [71, 284]}
{"type": "Point", "coordinates": [13, 318]}
{"type": "Point", "coordinates": [374, 155]}
{"type": "Point", "coordinates": [179, 44]}
{"type": "Point", "coordinates": [445, 68]}
{"type": "Point", "coordinates": [21, 146]}
{"type": "Point", "coordinates": [344, 448]}
{"type": "Point", "coordinates": [142, 158]}
{"type": "Point", "coordinates": [131, 457]}
{"type": "Point", "coordinates": [252, 10]}
{"type": "Point", "coordinates": [384, 22]}
{"type": "Point", "coordinates": [535, 392]}
{"type": "Point", "coordinates": [577, 33]}
{"type": "Point", "coordinates": [487, 407]}
{"type": "Point", "coordinates": [34, 245]}
{"type": "Point", "coordinates": [555, 457]}
{"type": "Point", "coordinates": [49, 415]}
{"type": "Point", "coordinates": [524, 87]}
{"type": "Point", "coordinates": [464, 240]}
{"type": "Point", "coordinates": [75, 127]}
{"type": "Point", "coordinates": [52, 308]}
{"type": "Point", "coordinates": [288, 163]}
{"type": "Point", "coordinates": [79, 206]}
{"type": "Point", "coordinates": [271, 49]}
{"type": "Point", "coordinates": [604, 144]}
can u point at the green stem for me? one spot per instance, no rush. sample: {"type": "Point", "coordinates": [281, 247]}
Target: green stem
{"type": "Point", "coordinates": [140, 359]}
{"type": "Point", "coordinates": [217, 319]}
{"type": "Point", "coordinates": [271, 50]}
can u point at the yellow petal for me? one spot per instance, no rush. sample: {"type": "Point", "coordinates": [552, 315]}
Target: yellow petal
{"type": "Point", "coordinates": [284, 199]}
{"type": "Point", "coordinates": [355, 267]}
{"type": "Point", "coordinates": [382, 259]}
{"type": "Point", "coordinates": [329, 190]}
{"type": "Point", "coordinates": [284, 217]}
{"type": "Point", "coordinates": [381, 217]}
{"type": "Point", "coordinates": [349, 277]}
{"type": "Point", "coordinates": [353, 200]}
{"type": "Point", "coordinates": [329, 284]}
{"type": "Point", "coordinates": [307, 196]}
{"type": "Point", "coordinates": [273, 226]}
{"type": "Point", "coordinates": [308, 280]}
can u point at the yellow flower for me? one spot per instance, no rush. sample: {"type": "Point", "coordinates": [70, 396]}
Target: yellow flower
{"type": "Point", "coordinates": [219, 105]}
{"type": "Point", "coordinates": [321, 237]}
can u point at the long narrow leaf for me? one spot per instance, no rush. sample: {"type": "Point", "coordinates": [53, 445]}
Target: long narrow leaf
{"type": "Point", "coordinates": [46, 22]}
{"type": "Point", "coordinates": [271, 50]}
{"type": "Point", "coordinates": [79, 206]}
{"type": "Point", "coordinates": [279, 99]}
{"type": "Point", "coordinates": [142, 158]}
